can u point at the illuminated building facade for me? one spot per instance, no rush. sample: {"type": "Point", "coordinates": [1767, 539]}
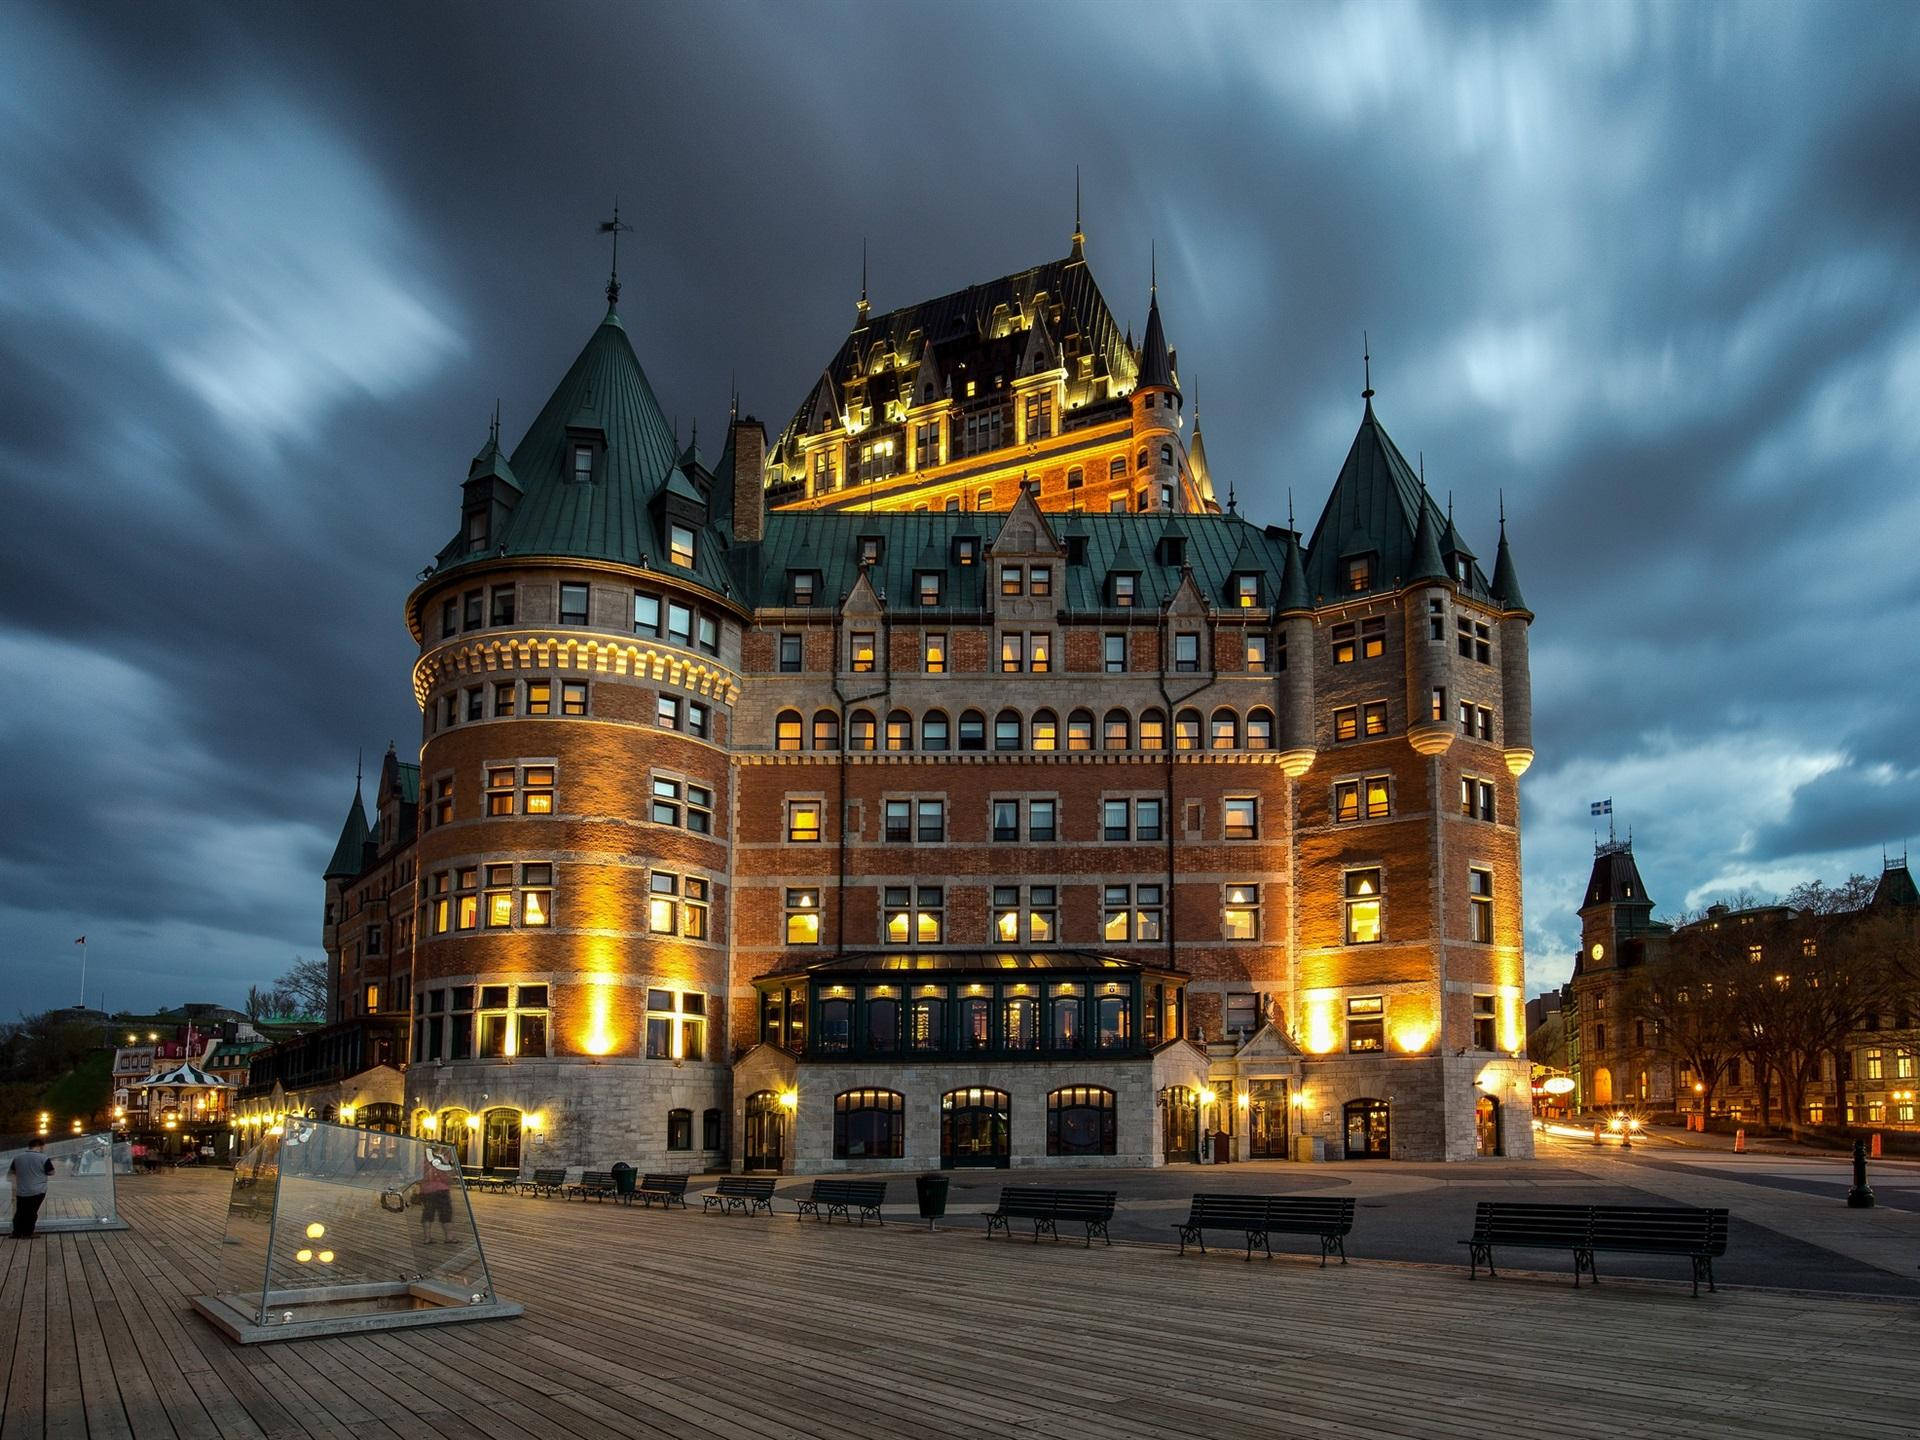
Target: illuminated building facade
{"type": "Point", "coordinates": [953, 780]}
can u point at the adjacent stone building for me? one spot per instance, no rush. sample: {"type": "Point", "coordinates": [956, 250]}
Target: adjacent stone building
{"type": "Point", "coordinates": [952, 779]}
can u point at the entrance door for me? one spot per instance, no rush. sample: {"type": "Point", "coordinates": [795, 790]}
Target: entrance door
{"type": "Point", "coordinates": [764, 1147]}
{"type": "Point", "coordinates": [1486, 1126]}
{"type": "Point", "coordinates": [1267, 1119]}
{"type": "Point", "coordinates": [1367, 1130]}
{"type": "Point", "coordinates": [975, 1129]}
{"type": "Point", "coordinates": [1180, 1124]}
{"type": "Point", "coordinates": [500, 1149]}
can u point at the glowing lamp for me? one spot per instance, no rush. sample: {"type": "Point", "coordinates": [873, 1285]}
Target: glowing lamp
{"type": "Point", "coordinates": [1413, 1038]}
{"type": "Point", "coordinates": [789, 1100]}
{"type": "Point", "coordinates": [346, 1114]}
{"type": "Point", "coordinates": [533, 1121]}
{"type": "Point", "coordinates": [316, 1230]}
{"type": "Point", "coordinates": [473, 1122]}
{"type": "Point", "coordinates": [1207, 1095]}
{"type": "Point", "coordinates": [326, 1257]}
{"type": "Point", "coordinates": [429, 1123]}
{"type": "Point", "coordinates": [303, 1255]}
{"type": "Point", "coordinates": [1243, 1100]}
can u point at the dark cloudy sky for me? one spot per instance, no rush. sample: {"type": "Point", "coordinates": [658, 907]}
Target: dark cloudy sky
{"type": "Point", "coordinates": [263, 271]}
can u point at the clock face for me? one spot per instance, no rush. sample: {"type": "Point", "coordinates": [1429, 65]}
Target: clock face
{"type": "Point", "coordinates": [1599, 951]}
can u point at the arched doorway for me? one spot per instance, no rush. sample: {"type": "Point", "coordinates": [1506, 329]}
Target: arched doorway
{"type": "Point", "coordinates": [1369, 1135]}
{"type": "Point", "coordinates": [455, 1133]}
{"type": "Point", "coordinates": [1602, 1087]}
{"type": "Point", "coordinates": [1267, 1119]}
{"type": "Point", "coordinates": [764, 1143]}
{"type": "Point", "coordinates": [1179, 1124]}
{"type": "Point", "coordinates": [500, 1143]}
{"type": "Point", "coordinates": [1486, 1126]}
{"type": "Point", "coordinates": [975, 1127]}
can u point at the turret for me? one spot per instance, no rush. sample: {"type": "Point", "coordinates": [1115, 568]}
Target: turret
{"type": "Point", "coordinates": [1156, 419]}
{"type": "Point", "coordinates": [348, 860]}
{"type": "Point", "coordinates": [1431, 732]}
{"type": "Point", "coordinates": [1516, 681]}
{"type": "Point", "coordinates": [1295, 609]}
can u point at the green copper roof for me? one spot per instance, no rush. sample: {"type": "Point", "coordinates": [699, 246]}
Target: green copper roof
{"type": "Point", "coordinates": [1427, 564]}
{"type": "Point", "coordinates": [1293, 593]}
{"type": "Point", "coordinates": [1506, 581]}
{"type": "Point", "coordinates": [604, 400]}
{"type": "Point", "coordinates": [350, 854]}
{"type": "Point", "coordinates": [1374, 509]}
{"type": "Point", "coordinates": [1156, 366]}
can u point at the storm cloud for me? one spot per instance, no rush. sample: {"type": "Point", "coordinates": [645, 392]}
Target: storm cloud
{"type": "Point", "coordinates": [1648, 270]}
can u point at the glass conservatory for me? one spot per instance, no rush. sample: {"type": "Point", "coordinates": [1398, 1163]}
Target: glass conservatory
{"type": "Point", "coordinates": [332, 1229]}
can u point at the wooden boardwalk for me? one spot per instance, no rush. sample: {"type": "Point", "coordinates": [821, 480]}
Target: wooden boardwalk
{"type": "Point", "coordinates": [643, 1324]}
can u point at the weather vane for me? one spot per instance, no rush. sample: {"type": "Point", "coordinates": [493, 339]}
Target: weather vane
{"type": "Point", "coordinates": [613, 227]}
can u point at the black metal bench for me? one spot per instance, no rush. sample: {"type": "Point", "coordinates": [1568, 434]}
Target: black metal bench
{"type": "Point", "coordinates": [1260, 1216]}
{"type": "Point", "coordinates": [1697, 1234]}
{"type": "Point", "coordinates": [597, 1184]}
{"type": "Point", "coordinates": [664, 1188]}
{"type": "Point", "coordinates": [837, 1197]}
{"type": "Point", "coordinates": [1047, 1206]}
{"type": "Point", "coordinates": [545, 1182]}
{"type": "Point", "coordinates": [475, 1178]}
{"type": "Point", "coordinates": [744, 1193]}
{"type": "Point", "coordinates": [1700, 1235]}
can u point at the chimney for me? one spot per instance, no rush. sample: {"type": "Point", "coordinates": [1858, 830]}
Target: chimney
{"type": "Point", "coordinates": [749, 479]}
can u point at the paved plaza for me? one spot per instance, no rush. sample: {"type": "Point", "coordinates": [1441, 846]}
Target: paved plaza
{"type": "Point", "coordinates": [648, 1324]}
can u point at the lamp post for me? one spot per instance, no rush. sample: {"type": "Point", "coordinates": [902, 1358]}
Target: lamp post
{"type": "Point", "coordinates": [1860, 1197]}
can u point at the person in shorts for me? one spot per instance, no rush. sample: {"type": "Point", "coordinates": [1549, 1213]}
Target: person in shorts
{"type": "Point", "coordinates": [436, 1197]}
{"type": "Point", "coordinates": [28, 1175]}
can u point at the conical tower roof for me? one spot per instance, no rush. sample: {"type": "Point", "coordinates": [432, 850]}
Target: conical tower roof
{"type": "Point", "coordinates": [1294, 594]}
{"type": "Point", "coordinates": [350, 854]}
{"type": "Point", "coordinates": [1197, 462]}
{"type": "Point", "coordinates": [1427, 564]}
{"type": "Point", "coordinates": [1506, 581]}
{"type": "Point", "coordinates": [1156, 365]}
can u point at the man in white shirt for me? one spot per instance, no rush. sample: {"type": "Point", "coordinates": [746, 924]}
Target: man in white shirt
{"type": "Point", "coordinates": [28, 1175]}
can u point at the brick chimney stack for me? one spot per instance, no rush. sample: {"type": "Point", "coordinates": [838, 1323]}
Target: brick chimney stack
{"type": "Point", "coordinates": [749, 479]}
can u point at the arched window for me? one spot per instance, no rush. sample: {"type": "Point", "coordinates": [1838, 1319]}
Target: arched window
{"type": "Point", "coordinates": [899, 730]}
{"type": "Point", "coordinates": [869, 1124]}
{"type": "Point", "coordinates": [1260, 729]}
{"type": "Point", "coordinates": [1081, 1121]}
{"type": "Point", "coordinates": [1080, 730]}
{"type": "Point", "coordinates": [1602, 1086]}
{"type": "Point", "coordinates": [679, 1129]}
{"type": "Point", "coordinates": [974, 1127]}
{"type": "Point", "coordinates": [880, 1026]}
{"type": "Point", "coordinates": [1117, 731]}
{"type": "Point", "coordinates": [933, 731]}
{"type": "Point", "coordinates": [1007, 730]}
{"type": "Point", "coordinates": [500, 1140]}
{"type": "Point", "coordinates": [1186, 730]}
{"type": "Point", "coordinates": [454, 1129]}
{"type": "Point", "coordinates": [1075, 478]}
{"type": "Point", "coordinates": [786, 730]}
{"type": "Point", "coordinates": [1226, 730]}
{"type": "Point", "coordinates": [983, 500]}
{"type": "Point", "coordinates": [1044, 732]}
{"type": "Point", "coordinates": [973, 730]}
{"type": "Point", "coordinates": [836, 1019]}
{"type": "Point", "coordinates": [860, 730]}
{"type": "Point", "coordinates": [826, 730]}
{"type": "Point", "coordinates": [383, 1116]}
{"type": "Point", "coordinates": [1153, 730]}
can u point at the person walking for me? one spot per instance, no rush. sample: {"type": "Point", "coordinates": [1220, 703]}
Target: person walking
{"type": "Point", "coordinates": [28, 1175]}
{"type": "Point", "coordinates": [436, 1198]}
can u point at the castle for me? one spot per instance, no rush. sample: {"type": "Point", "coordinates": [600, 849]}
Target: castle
{"type": "Point", "coordinates": [950, 779]}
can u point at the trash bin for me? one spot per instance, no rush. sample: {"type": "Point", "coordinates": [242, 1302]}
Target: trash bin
{"type": "Point", "coordinates": [623, 1174]}
{"type": "Point", "coordinates": [931, 1191]}
{"type": "Point", "coordinates": [1222, 1147]}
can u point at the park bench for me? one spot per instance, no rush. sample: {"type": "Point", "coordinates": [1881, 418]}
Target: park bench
{"type": "Point", "coordinates": [1259, 1217]}
{"type": "Point", "coordinates": [1700, 1235]}
{"type": "Point", "coordinates": [1697, 1234]}
{"type": "Point", "coordinates": [741, 1192]}
{"type": "Point", "coordinates": [596, 1183]}
{"type": "Point", "coordinates": [1047, 1206]}
{"type": "Point", "coordinates": [545, 1182]}
{"type": "Point", "coordinates": [475, 1178]}
{"type": "Point", "coordinates": [837, 1197]}
{"type": "Point", "coordinates": [664, 1188]}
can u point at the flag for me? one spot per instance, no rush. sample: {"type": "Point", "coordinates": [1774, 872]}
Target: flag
{"type": "Point", "coordinates": [81, 941]}
{"type": "Point", "coordinates": [1601, 807]}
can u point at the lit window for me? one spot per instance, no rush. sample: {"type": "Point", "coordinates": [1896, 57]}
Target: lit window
{"type": "Point", "coordinates": [1125, 590]}
{"type": "Point", "coordinates": [1080, 730]}
{"type": "Point", "coordinates": [1366, 1024]}
{"type": "Point", "coordinates": [1375, 717]}
{"type": "Point", "coordinates": [662, 910]}
{"type": "Point", "coordinates": [933, 653]}
{"type": "Point", "coordinates": [826, 730]}
{"type": "Point", "coordinates": [1240, 915]}
{"type": "Point", "coordinates": [862, 730]}
{"type": "Point", "coordinates": [1246, 591]}
{"type": "Point", "coordinates": [930, 588]}
{"type": "Point", "coordinates": [1131, 912]}
{"type": "Point", "coordinates": [1012, 653]}
{"type": "Point", "coordinates": [1040, 653]}
{"type": "Point", "coordinates": [1257, 652]}
{"type": "Point", "coordinates": [803, 821]}
{"type": "Point", "coordinates": [802, 584]}
{"type": "Point", "coordinates": [1117, 730]}
{"type": "Point", "coordinates": [676, 1025]}
{"type": "Point", "coordinates": [1357, 573]}
{"type": "Point", "coordinates": [1346, 723]}
{"type": "Point", "coordinates": [1045, 731]}
{"type": "Point", "coordinates": [1378, 807]}
{"type": "Point", "coordinates": [803, 917]}
{"type": "Point", "coordinates": [1012, 579]}
{"type": "Point", "coordinates": [913, 915]}
{"type": "Point", "coordinates": [1153, 730]}
{"type": "Point", "coordinates": [573, 697]}
{"type": "Point", "coordinates": [1225, 730]}
{"type": "Point", "coordinates": [1480, 908]}
{"type": "Point", "coordinates": [1343, 646]}
{"type": "Point", "coordinates": [1373, 638]}
{"type": "Point", "coordinates": [1363, 906]}
{"type": "Point", "coordinates": [680, 546]}
{"type": "Point", "coordinates": [503, 698]}
{"type": "Point", "coordinates": [1040, 580]}
{"type": "Point", "coordinates": [861, 659]}
{"type": "Point", "coordinates": [1242, 819]}
{"type": "Point", "coordinates": [1113, 652]}
{"type": "Point", "coordinates": [1260, 730]}
{"type": "Point", "coordinates": [786, 730]}
{"type": "Point", "coordinates": [1346, 800]}
{"type": "Point", "coordinates": [1186, 730]}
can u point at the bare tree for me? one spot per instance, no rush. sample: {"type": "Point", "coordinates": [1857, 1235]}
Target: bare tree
{"type": "Point", "coordinates": [305, 987]}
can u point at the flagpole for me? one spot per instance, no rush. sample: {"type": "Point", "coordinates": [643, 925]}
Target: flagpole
{"type": "Point", "coordinates": [83, 972]}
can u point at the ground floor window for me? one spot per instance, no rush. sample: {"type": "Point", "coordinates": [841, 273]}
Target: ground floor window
{"type": "Point", "coordinates": [975, 1127]}
{"type": "Point", "coordinates": [1081, 1121]}
{"type": "Point", "coordinates": [1486, 1126]}
{"type": "Point", "coordinates": [1368, 1135]}
{"type": "Point", "coordinates": [500, 1144]}
{"type": "Point", "coordinates": [679, 1130]}
{"type": "Point", "coordinates": [383, 1116]}
{"type": "Point", "coordinates": [869, 1124]}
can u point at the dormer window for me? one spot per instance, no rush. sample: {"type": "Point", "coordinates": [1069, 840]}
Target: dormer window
{"type": "Point", "coordinates": [803, 585]}
{"type": "Point", "coordinates": [1076, 549]}
{"type": "Point", "coordinates": [966, 549]}
{"type": "Point", "coordinates": [1357, 573]}
{"type": "Point", "coordinates": [1246, 591]}
{"type": "Point", "coordinates": [1125, 590]}
{"type": "Point", "coordinates": [870, 548]}
{"type": "Point", "coordinates": [680, 545]}
{"type": "Point", "coordinates": [1173, 550]}
{"type": "Point", "coordinates": [476, 531]}
{"type": "Point", "coordinates": [1462, 569]}
{"type": "Point", "coordinates": [583, 464]}
{"type": "Point", "coordinates": [927, 587]}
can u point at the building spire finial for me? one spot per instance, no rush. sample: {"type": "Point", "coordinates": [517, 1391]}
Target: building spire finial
{"type": "Point", "coordinates": [1153, 268]}
{"type": "Point", "coordinates": [1233, 501]}
{"type": "Point", "coordinates": [493, 433]}
{"type": "Point", "coordinates": [1289, 507]}
{"type": "Point", "coordinates": [1366, 361]}
{"type": "Point", "coordinates": [862, 307]}
{"type": "Point", "coordinates": [613, 227]}
{"type": "Point", "coordinates": [359, 763]}
{"type": "Point", "coordinates": [1503, 512]}
{"type": "Point", "coordinates": [1079, 234]}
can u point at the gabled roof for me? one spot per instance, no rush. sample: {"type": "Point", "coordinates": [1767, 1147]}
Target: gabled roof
{"type": "Point", "coordinates": [604, 393]}
{"type": "Point", "coordinates": [1374, 508]}
{"type": "Point", "coordinates": [350, 853]}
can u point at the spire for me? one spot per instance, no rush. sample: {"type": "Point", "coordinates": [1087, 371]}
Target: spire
{"type": "Point", "coordinates": [613, 227]}
{"type": "Point", "coordinates": [349, 853]}
{"type": "Point", "coordinates": [1427, 564]}
{"type": "Point", "coordinates": [1079, 250]}
{"type": "Point", "coordinates": [861, 307]}
{"type": "Point", "coordinates": [1506, 581]}
{"type": "Point", "coordinates": [1156, 366]}
{"type": "Point", "coordinates": [1293, 572]}
{"type": "Point", "coordinates": [1366, 365]}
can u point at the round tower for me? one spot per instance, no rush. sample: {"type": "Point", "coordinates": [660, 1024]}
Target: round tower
{"type": "Point", "coordinates": [1516, 675]}
{"type": "Point", "coordinates": [578, 664]}
{"type": "Point", "coordinates": [1298, 744]}
{"type": "Point", "coordinates": [1155, 462]}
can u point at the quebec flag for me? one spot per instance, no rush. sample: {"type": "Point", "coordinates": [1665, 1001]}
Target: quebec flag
{"type": "Point", "coordinates": [1602, 807]}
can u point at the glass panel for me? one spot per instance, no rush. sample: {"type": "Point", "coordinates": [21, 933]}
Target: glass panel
{"type": "Point", "coordinates": [331, 1223]}
{"type": "Point", "coordinates": [79, 1194]}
